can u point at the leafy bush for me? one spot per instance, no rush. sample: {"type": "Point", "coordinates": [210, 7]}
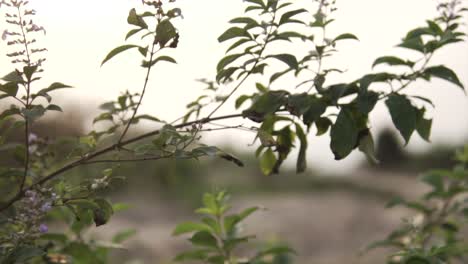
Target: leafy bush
{"type": "Point", "coordinates": [437, 233]}
{"type": "Point", "coordinates": [217, 236]}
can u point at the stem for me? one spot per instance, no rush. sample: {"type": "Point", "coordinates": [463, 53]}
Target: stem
{"type": "Point", "coordinates": [126, 160]}
{"type": "Point", "coordinates": [24, 36]}
{"type": "Point", "coordinates": [405, 85]}
{"type": "Point", "coordinates": [103, 151]}
{"type": "Point", "coordinates": [141, 96]}
{"type": "Point", "coordinates": [26, 105]}
{"type": "Point", "coordinates": [438, 221]}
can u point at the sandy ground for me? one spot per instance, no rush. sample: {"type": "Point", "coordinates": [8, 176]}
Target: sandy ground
{"type": "Point", "coordinates": [324, 228]}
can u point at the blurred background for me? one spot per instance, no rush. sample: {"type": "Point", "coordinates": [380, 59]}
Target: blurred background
{"type": "Point", "coordinates": [328, 213]}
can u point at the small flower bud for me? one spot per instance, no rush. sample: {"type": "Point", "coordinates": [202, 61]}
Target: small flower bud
{"type": "Point", "coordinates": [43, 228]}
{"type": "Point", "coordinates": [46, 207]}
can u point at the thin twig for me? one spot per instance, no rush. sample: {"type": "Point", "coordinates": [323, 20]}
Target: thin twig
{"type": "Point", "coordinates": [141, 96]}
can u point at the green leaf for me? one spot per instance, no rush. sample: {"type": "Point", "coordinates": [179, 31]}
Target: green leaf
{"type": "Point", "coordinates": [418, 260]}
{"type": "Point", "coordinates": [392, 61]}
{"type": "Point", "coordinates": [286, 17]}
{"type": "Point", "coordinates": [316, 108]}
{"type": "Point", "coordinates": [265, 104]}
{"type": "Point", "coordinates": [147, 64]}
{"type": "Point", "coordinates": [398, 201]}
{"type": "Point", "coordinates": [267, 162]}
{"type": "Point", "coordinates": [298, 104]}
{"type": "Point", "coordinates": [301, 164]}
{"type": "Point", "coordinates": [10, 88]}
{"type": "Point", "coordinates": [345, 36]}
{"type": "Point", "coordinates": [256, 2]}
{"type": "Point", "coordinates": [231, 221]}
{"type": "Point", "coordinates": [29, 71]}
{"type": "Point", "coordinates": [424, 126]}
{"type": "Point", "coordinates": [275, 251]}
{"type": "Point", "coordinates": [189, 227]}
{"type": "Point", "coordinates": [23, 254]}
{"type": "Point", "coordinates": [83, 204]}
{"type": "Point", "coordinates": [241, 100]}
{"type": "Point", "coordinates": [237, 44]}
{"type": "Point", "coordinates": [227, 60]}
{"type": "Point", "coordinates": [13, 76]}
{"type": "Point", "coordinates": [165, 31]}
{"type": "Point", "coordinates": [205, 239]}
{"type": "Point", "coordinates": [149, 118]}
{"type": "Point", "coordinates": [266, 138]}
{"type": "Point", "coordinates": [366, 102]}
{"type": "Point", "coordinates": [199, 254]}
{"type": "Point", "coordinates": [435, 180]}
{"type": "Point", "coordinates": [53, 107]}
{"type": "Point", "coordinates": [123, 236]}
{"type": "Point", "coordinates": [118, 50]}
{"type": "Point", "coordinates": [344, 134]}
{"type": "Point", "coordinates": [233, 32]}
{"type": "Point", "coordinates": [323, 124]}
{"type": "Point", "coordinates": [403, 113]}
{"type": "Point", "coordinates": [56, 237]}
{"type": "Point", "coordinates": [250, 22]}
{"type": "Point", "coordinates": [55, 86]}
{"type": "Point", "coordinates": [34, 113]}
{"type": "Point", "coordinates": [132, 32]}
{"type": "Point", "coordinates": [413, 44]}
{"type": "Point", "coordinates": [289, 59]}
{"type": "Point", "coordinates": [135, 19]}
{"type": "Point", "coordinates": [444, 73]}
{"type": "Point", "coordinates": [102, 117]}
{"type": "Point", "coordinates": [103, 213]}
{"type": "Point", "coordinates": [366, 145]}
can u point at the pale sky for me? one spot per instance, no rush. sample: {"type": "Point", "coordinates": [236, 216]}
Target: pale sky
{"type": "Point", "coordinates": [81, 33]}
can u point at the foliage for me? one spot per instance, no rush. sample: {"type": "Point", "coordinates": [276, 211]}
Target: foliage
{"type": "Point", "coordinates": [437, 233]}
{"type": "Point", "coordinates": [217, 236]}
{"type": "Point", "coordinates": [35, 187]}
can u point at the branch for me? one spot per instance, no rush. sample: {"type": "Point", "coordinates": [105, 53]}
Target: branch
{"type": "Point", "coordinates": [87, 159]}
{"type": "Point", "coordinates": [141, 96]}
{"type": "Point", "coordinates": [126, 160]}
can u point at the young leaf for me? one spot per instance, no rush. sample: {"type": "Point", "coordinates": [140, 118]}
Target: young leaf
{"type": "Point", "coordinates": [267, 162]}
{"type": "Point", "coordinates": [227, 60]}
{"type": "Point", "coordinates": [424, 128]}
{"type": "Point", "coordinates": [289, 59]}
{"type": "Point", "coordinates": [233, 32]}
{"type": "Point", "coordinates": [189, 227]}
{"type": "Point", "coordinates": [445, 73]}
{"type": "Point", "coordinates": [404, 114]}
{"type": "Point", "coordinates": [117, 51]}
{"type": "Point", "coordinates": [345, 36]}
{"type": "Point", "coordinates": [10, 88]}
{"type": "Point", "coordinates": [286, 17]}
{"type": "Point", "coordinates": [366, 145]}
{"type": "Point", "coordinates": [344, 134]}
{"type": "Point", "coordinates": [392, 61]}
{"type": "Point", "coordinates": [165, 31]}
{"type": "Point", "coordinates": [301, 164]}
{"type": "Point", "coordinates": [136, 20]}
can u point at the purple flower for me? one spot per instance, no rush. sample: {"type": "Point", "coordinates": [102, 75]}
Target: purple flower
{"type": "Point", "coordinates": [43, 228]}
{"type": "Point", "coordinates": [30, 193]}
{"type": "Point", "coordinates": [46, 207]}
{"type": "Point", "coordinates": [32, 137]}
{"type": "Point", "coordinates": [4, 35]}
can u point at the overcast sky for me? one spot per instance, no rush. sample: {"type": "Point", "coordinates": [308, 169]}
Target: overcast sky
{"type": "Point", "coordinates": [81, 33]}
